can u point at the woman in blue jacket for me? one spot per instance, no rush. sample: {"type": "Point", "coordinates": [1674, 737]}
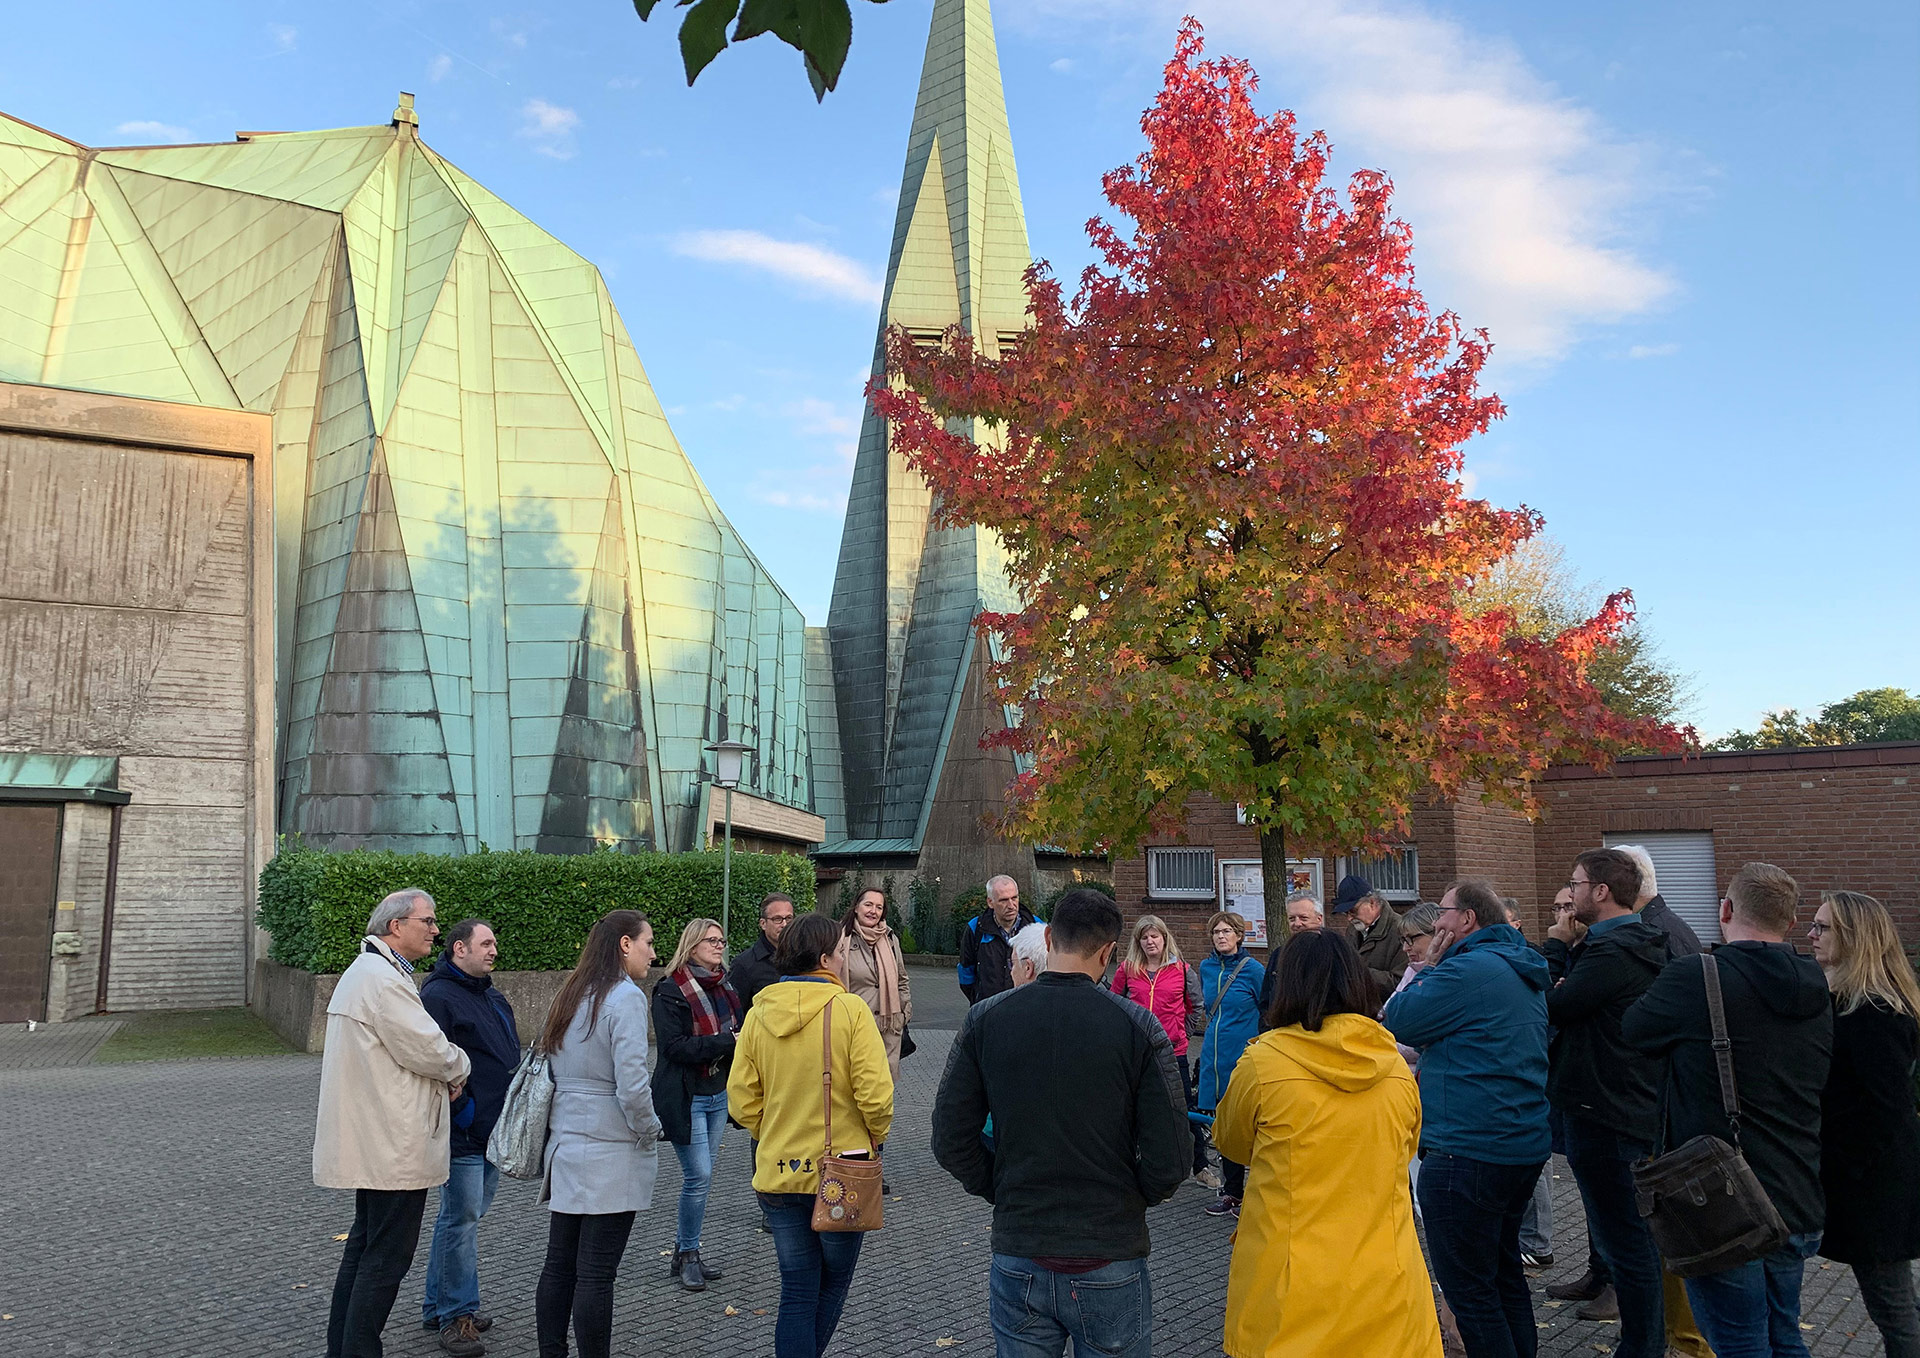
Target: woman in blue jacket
{"type": "Point", "coordinates": [1230, 981]}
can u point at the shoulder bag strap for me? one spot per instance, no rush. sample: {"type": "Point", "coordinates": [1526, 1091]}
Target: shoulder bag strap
{"type": "Point", "coordinates": [1722, 1044]}
{"type": "Point", "coordinates": [826, 1070]}
{"type": "Point", "coordinates": [1225, 985]}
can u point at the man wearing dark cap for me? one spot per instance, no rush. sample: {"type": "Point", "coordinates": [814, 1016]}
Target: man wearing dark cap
{"type": "Point", "coordinates": [1377, 935]}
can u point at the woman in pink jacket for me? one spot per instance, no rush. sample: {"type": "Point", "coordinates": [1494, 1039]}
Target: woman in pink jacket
{"type": "Point", "coordinates": [1154, 977]}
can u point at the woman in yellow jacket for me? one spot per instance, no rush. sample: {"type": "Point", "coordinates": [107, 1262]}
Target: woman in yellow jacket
{"type": "Point", "coordinates": [1325, 1115]}
{"type": "Point", "coordinates": [774, 1091]}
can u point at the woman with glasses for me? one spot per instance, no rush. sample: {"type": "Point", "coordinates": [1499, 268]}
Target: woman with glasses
{"type": "Point", "coordinates": [1231, 980]}
{"type": "Point", "coordinates": [1869, 1131]}
{"type": "Point", "coordinates": [696, 1017]}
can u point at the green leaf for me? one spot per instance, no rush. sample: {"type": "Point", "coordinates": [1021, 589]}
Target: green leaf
{"type": "Point", "coordinates": [703, 34]}
{"type": "Point", "coordinates": [778, 17]}
{"type": "Point", "coordinates": [826, 31]}
{"type": "Point", "coordinates": [644, 8]}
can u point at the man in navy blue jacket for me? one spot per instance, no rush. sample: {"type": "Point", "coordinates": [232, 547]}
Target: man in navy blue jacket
{"type": "Point", "coordinates": [1479, 1018]}
{"type": "Point", "coordinates": [459, 993]}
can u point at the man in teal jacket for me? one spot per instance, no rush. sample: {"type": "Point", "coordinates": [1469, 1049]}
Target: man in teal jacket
{"type": "Point", "coordinates": [1479, 1018]}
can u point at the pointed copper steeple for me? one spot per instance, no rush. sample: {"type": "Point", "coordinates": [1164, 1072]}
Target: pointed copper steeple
{"type": "Point", "coordinates": [905, 595]}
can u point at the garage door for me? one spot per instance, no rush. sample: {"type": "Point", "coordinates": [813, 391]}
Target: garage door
{"type": "Point", "coordinates": [29, 846]}
{"type": "Point", "coordinates": [1683, 863]}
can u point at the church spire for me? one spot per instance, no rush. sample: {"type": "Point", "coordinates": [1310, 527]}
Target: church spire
{"type": "Point", "coordinates": [905, 595]}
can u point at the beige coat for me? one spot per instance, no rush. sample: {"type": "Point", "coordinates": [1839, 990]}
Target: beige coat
{"type": "Point", "coordinates": [863, 980]}
{"type": "Point", "coordinates": [383, 1082]}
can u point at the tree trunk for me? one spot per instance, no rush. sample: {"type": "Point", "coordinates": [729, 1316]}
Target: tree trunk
{"type": "Point", "coordinates": [1274, 882]}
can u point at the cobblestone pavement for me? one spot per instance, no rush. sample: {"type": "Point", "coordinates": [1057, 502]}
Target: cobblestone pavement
{"type": "Point", "coordinates": [167, 1209]}
{"type": "Point", "coordinates": [42, 1046]}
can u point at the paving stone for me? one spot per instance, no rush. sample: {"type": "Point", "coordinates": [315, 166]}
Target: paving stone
{"type": "Point", "coordinates": [168, 1208]}
{"type": "Point", "coordinates": [43, 1046]}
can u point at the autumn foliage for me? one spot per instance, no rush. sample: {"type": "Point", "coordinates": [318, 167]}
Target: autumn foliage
{"type": "Point", "coordinates": [1228, 481]}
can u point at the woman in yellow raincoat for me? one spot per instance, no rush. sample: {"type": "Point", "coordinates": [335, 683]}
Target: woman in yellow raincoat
{"type": "Point", "coordinates": [1325, 1115]}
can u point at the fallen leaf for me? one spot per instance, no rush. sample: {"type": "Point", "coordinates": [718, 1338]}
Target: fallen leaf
{"type": "Point", "coordinates": [1805, 1326]}
{"type": "Point", "coordinates": [1556, 1305]}
{"type": "Point", "coordinates": [665, 1253]}
{"type": "Point", "coordinates": [7, 1316]}
{"type": "Point", "coordinates": [733, 1310]}
{"type": "Point", "coordinates": [945, 1343]}
{"type": "Point", "coordinates": [894, 1198]}
{"type": "Point", "coordinates": [1603, 1348]}
{"type": "Point", "coordinates": [341, 1236]}
{"type": "Point", "coordinates": [761, 1311]}
{"type": "Point", "coordinates": [298, 1286]}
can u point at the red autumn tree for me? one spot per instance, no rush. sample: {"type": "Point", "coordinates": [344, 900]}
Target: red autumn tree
{"type": "Point", "coordinates": [1228, 482]}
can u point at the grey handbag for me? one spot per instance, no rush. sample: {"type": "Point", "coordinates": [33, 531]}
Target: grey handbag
{"type": "Point", "coordinates": [519, 1141]}
{"type": "Point", "coordinates": [1706, 1209]}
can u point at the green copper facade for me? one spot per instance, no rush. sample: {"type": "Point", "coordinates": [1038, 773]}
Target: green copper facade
{"type": "Point", "coordinates": [506, 608]}
{"type": "Point", "coordinates": [900, 629]}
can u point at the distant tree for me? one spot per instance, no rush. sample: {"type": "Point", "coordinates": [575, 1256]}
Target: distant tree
{"type": "Point", "coordinates": [1540, 593]}
{"type": "Point", "coordinates": [821, 30]}
{"type": "Point", "coordinates": [1872, 714]}
{"type": "Point", "coordinates": [1228, 483]}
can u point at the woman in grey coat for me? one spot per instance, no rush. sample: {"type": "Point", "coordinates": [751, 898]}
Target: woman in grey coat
{"type": "Point", "coordinates": [601, 1134]}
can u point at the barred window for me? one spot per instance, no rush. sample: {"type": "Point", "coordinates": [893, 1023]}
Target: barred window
{"type": "Point", "coordinates": [1180, 872]}
{"type": "Point", "coordinates": [1396, 876]}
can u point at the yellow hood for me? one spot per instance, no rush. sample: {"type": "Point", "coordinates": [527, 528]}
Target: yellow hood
{"type": "Point", "coordinates": [1350, 1052]}
{"type": "Point", "coordinates": [787, 1006]}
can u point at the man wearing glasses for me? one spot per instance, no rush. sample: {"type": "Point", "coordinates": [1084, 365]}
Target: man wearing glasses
{"type": "Point", "coordinates": [753, 970]}
{"type": "Point", "coordinates": [1602, 959]}
{"type": "Point", "coordinates": [384, 1120]}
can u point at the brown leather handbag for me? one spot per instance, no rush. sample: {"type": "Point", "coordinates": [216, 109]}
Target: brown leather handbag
{"type": "Point", "coordinates": [1706, 1209]}
{"type": "Point", "coordinates": [849, 1197]}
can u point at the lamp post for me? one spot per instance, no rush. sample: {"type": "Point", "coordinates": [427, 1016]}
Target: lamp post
{"type": "Point", "coordinates": [727, 758]}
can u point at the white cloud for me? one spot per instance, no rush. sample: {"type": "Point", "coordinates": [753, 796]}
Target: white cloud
{"type": "Point", "coordinates": [440, 68]}
{"type": "Point", "coordinates": [1061, 65]}
{"type": "Point", "coordinates": [815, 416]}
{"type": "Point", "coordinates": [285, 37]}
{"type": "Point", "coordinates": [549, 127]}
{"type": "Point", "coordinates": [1520, 198]}
{"type": "Point", "coordinates": [1652, 350]}
{"type": "Point", "coordinates": [811, 266]}
{"type": "Point", "coordinates": [148, 131]}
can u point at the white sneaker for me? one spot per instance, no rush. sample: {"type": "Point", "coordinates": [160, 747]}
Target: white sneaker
{"type": "Point", "coordinates": [1207, 1178]}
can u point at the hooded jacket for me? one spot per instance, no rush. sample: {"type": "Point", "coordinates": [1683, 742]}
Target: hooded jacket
{"type": "Point", "coordinates": [1232, 1020]}
{"type": "Point", "coordinates": [1594, 1074]}
{"type": "Point", "coordinates": [774, 1088]}
{"type": "Point", "coordinates": [1325, 1260]}
{"type": "Point", "coordinates": [1780, 1020]}
{"type": "Point", "coordinates": [477, 1019]}
{"type": "Point", "coordinates": [1089, 1118]}
{"type": "Point", "coordinates": [1479, 1019]}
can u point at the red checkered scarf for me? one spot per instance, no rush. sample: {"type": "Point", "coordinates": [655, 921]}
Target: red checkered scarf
{"type": "Point", "coordinates": [715, 1004]}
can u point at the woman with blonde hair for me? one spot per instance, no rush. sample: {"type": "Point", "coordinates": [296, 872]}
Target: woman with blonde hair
{"type": "Point", "coordinates": [696, 1017]}
{"type": "Point", "coordinates": [876, 971]}
{"type": "Point", "coordinates": [1869, 1131]}
{"type": "Point", "coordinates": [601, 1130]}
{"type": "Point", "coordinates": [1154, 976]}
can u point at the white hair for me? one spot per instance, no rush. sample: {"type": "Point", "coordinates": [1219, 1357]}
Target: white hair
{"type": "Point", "coordinates": [994, 882]}
{"type": "Point", "coordinates": [1310, 899]}
{"type": "Point", "coordinates": [1649, 884]}
{"type": "Point", "coordinates": [1030, 945]}
{"type": "Point", "coordinates": [394, 908]}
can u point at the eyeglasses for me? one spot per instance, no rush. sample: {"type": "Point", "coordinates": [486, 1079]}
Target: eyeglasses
{"type": "Point", "coordinates": [427, 920]}
{"type": "Point", "coordinates": [1575, 883]}
{"type": "Point", "coordinates": [1818, 930]}
{"type": "Point", "coordinates": [712, 938]}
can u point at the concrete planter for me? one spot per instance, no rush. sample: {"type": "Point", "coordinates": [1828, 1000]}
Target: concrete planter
{"type": "Point", "coordinates": [294, 1003]}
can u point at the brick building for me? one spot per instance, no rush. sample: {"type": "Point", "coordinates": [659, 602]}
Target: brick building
{"type": "Point", "coordinates": [1841, 816]}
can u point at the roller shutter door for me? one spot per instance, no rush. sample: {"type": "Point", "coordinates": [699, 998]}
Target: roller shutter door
{"type": "Point", "coordinates": [1683, 863]}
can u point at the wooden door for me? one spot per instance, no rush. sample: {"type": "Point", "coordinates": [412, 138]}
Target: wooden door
{"type": "Point", "coordinates": [29, 859]}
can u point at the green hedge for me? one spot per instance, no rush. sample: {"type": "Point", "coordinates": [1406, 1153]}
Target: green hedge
{"type": "Point", "coordinates": [541, 904]}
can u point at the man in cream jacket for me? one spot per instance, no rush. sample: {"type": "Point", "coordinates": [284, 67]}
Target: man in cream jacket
{"type": "Point", "coordinates": [383, 1125]}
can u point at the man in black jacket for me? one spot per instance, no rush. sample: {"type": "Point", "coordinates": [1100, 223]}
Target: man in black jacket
{"type": "Point", "coordinates": [753, 970]}
{"type": "Point", "coordinates": [1682, 941]}
{"type": "Point", "coordinates": [1780, 1021]}
{"type": "Point", "coordinates": [459, 993]}
{"type": "Point", "coordinates": [1602, 959]}
{"type": "Point", "coordinates": [1089, 1130]}
{"type": "Point", "coordinates": [986, 944]}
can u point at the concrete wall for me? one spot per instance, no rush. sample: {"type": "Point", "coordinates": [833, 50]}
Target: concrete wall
{"type": "Point", "coordinates": [135, 607]}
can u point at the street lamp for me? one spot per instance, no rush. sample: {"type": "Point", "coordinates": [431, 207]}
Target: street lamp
{"type": "Point", "coordinates": [727, 758]}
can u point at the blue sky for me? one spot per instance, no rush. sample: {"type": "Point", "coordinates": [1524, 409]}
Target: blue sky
{"type": "Point", "coordinates": [1689, 228]}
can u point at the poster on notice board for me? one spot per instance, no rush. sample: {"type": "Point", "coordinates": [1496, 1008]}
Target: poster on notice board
{"type": "Point", "coordinates": [1243, 891]}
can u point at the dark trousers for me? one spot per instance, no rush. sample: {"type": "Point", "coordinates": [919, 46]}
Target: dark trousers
{"type": "Point", "coordinates": [816, 1269]}
{"type": "Point", "coordinates": [1472, 1210]}
{"type": "Point", "coordinates": [380, 1246]}
{"type": "Point", "coordinates": [583, 1259]}
{"type": "Point", "coordinates": [1887, 1292]}
{"type": "Point", "coordinates": [1233, 1179]}
{"type": "Point", "coordinates": [1193, 1106]}
{"type": "Point", "coordinates": [1602, 1163]}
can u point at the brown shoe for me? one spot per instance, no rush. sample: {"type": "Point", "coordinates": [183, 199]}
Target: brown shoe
{"type": "Point", "coordinates": [1606, 1306]}
{"type": "Point", "coordinates": [1585, 1288]}
{"type": "Point", "coordinates": [461, 1338]}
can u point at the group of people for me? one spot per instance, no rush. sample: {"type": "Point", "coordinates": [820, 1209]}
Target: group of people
{"type": "Point", "coordinates": [1080, 1087]}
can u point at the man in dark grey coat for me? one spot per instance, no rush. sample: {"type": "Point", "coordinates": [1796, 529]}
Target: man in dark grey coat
{"type": "Point", "coordinates": [1682, 941]}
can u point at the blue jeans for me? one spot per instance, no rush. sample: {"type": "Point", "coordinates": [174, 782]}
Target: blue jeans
{"type": "Point", "coordinates": [696, 1166]}
{"type": "Point", "coordinates": [453, 1264]}
{"type": "Point", "coordinates": [1536, 1227]}
{"type": "Point", "coordinates": [816, 1269]}
{"type": "Point", "coordinates": [1472, 1210]}
{"type": "Point", "coordinates": [1602, 1163]}
{"type": "Point", "coordinates": [1035, 1311]}
{"type": "Point", "coordinates": [1753, 1311]}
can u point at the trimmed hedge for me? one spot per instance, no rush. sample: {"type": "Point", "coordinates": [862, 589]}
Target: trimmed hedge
{"type": "Point", "coordinates": [541, 905]}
